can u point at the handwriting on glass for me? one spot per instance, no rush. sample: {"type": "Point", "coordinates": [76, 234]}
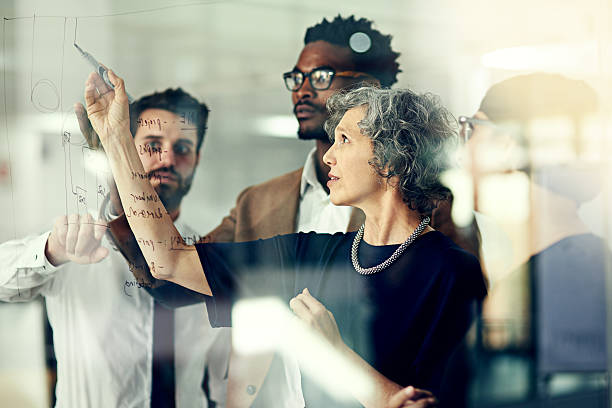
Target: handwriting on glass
{"type": "Point", "coordinates": [175, 243]}
{"type": "Point", "coordinates": [144, 197]}
{"type": "Point", "coordinates": [188, 118]}
{"type": "Point", "coordinates": [144, 149]}
{"type": "Point", "coordinates": [145, 176]}
{"type": "Point", "coordinates": [155, 214]}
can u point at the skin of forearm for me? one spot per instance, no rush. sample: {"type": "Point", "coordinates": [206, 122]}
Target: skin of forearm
{"type": "Point", "coordinates": [167, 256]}
{"type": "Point", "coordinates": [382, 386]}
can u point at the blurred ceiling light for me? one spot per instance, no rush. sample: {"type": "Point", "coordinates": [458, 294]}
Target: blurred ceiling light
{"type": "Point", "coordinates": [277, 125]}
{"type": "Point", "coordinates": [578, 58]}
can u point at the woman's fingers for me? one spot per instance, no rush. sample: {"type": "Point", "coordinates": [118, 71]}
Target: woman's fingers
{"type": "Point", "coordinates": [305, 313]}
{"type": "Point", "coordinates": [85, 125]}
{"type": "Point", "coordinates": [97, 95]}
{"type": "Point", "coordinates": [429, 402]}
{"type": "Point", "coordinates": [419, 393]}
{"type": "Point", "coordinates": [324, 319]}
{"type": "Point", "coordinates": [107, 109]}
{"type": "Point", "coordinates": [398, 399]}
{"type": "Point", "coordinates": [91, 94]}
{"type": "Point", "coordinates": [412, 397]}
{"type": "Point", "coordinates": [81, 114]}
{"type": "Point", "coordinates": [300, 309]}
{"type": "Point", "coordinates": [315, 314]}
{"type": "Point", "coordinates": [102, 86]}
{"type": "Point", "coordinates": [311, 302]}
{"type": "Point", "coordinates": [119, 85]}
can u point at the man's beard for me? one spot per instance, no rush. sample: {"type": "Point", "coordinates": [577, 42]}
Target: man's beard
{"type": "Point", "coordinates": [170, 195]}
{"type": "Point", "coordinates": [315, 134]}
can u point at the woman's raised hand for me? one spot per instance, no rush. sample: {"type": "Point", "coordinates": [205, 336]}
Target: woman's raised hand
{"type": "Point", "coordinates": [107, 108]}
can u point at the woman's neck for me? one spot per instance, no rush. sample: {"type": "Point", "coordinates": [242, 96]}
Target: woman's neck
{"type": "Point", "coordinates": [390, 221]}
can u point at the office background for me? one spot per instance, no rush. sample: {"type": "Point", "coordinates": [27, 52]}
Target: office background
{"type": "Point", "coordinates": [231, 54]}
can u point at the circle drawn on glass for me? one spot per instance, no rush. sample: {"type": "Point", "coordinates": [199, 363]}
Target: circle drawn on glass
{"type": "Point", "coordinates": [45, 96]}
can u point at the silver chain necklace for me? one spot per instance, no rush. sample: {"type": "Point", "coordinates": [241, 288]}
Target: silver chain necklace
{"type": "Point", "coordinates": [392, 258]}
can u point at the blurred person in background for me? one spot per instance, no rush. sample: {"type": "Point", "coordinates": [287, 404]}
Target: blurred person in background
{"type": "Point", "coordinates": [528, 157]}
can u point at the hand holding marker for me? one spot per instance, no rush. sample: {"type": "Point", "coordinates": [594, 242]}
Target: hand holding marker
{"type": "Point", "coordinates": [99, 68]}
{"type": "Point", "coordinates": [90, 135]}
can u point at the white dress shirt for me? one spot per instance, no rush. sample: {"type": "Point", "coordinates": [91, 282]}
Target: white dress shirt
{"type": "Point", "coordinates": [103, 328]}
{"type": "Point", "coordinates": [315, 211]}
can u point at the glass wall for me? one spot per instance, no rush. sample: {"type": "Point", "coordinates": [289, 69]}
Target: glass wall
{"type": "Point", "coordinates": [529, 175]}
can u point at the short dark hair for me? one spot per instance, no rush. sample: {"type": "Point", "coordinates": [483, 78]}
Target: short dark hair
{"type": "Point", "coordinates": [411, 136]}
{"type": "Point", "coordinates": [176, 101]}
{"type": "Point", "coordinates": [379, 60]}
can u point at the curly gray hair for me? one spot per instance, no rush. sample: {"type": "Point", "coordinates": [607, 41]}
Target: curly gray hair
{"type": "Point", "coordinates": [411, 136]}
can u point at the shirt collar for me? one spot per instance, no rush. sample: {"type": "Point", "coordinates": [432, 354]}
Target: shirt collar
{"type": "Point", "coordinates": [309, 174]}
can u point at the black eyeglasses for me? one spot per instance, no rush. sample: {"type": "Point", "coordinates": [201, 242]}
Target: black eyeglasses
{"type": "Point", "coordinates": [467, 126]}
{"type": "Point", "coordinates": [320, 78]}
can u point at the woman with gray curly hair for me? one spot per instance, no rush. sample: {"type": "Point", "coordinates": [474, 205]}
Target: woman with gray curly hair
{"type": "Point", "coordinates": [394, 298]}
{"type": "Point", "coordinates": [409, 134]}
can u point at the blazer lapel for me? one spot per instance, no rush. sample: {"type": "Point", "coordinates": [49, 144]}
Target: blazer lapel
{"type": "Point", "coordinates": [289, 199]}
{"type": "Point", "coordinates": [281, 201]}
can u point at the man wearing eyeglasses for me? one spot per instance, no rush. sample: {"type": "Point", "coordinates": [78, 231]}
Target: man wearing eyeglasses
{"type": "Point", "coordinates": [530, 135]}
{"type": "Point", "coordinates": [298, 201]}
